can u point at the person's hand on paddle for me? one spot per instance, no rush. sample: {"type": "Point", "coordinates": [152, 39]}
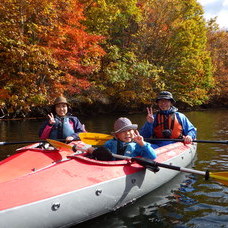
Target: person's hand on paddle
{"type": "Point", "coordinates": [51, 119]}
{"type": "Point", "coordinates": [138, 138]}
{"type": "Point", "coordinates": [150, 117]}
{"type": "Point", "coordinates": [69, 139]}
{"type": "Point", "coordinates": [187, 139]}
{"type": "Point", "coordinates": [90, 149]}
{"type": "Point", "coordinates": [102, 153]}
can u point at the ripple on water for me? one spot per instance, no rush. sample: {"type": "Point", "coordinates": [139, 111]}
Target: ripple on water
{"type": "Point", "coordinates": [207, 207]}
{"type": "Point", "coordinates": [212, 220]}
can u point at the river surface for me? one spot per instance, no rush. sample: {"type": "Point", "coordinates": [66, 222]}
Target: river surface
{"type": "Point", "coordinates": [186, 201]}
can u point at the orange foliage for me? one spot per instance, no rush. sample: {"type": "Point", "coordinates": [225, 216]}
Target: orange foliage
{"type": "Point", "coordinates": [218, 45]}
{"type": "Point", "coordinates": [4, 94]}
{"type": "Point", "coordinates": [75, 85]}
{"type": "Point", "coordinates": [74, 48]}
{"type": "Point", "coordinates": [45, 51]}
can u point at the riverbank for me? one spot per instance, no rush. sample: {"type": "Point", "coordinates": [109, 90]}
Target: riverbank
{"type": "Point", "coordinates": [100, 109]}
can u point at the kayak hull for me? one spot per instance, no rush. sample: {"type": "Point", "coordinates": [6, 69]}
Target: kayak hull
{"type": "Point", "coordinates": [79, 189]}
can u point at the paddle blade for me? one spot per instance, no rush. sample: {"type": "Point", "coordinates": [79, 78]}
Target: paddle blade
{"type": "Point", "coordinates": [221, 176]}
{"type": "Point", "coordinates": [60, 146]}
{"type": "Point", "coordinates": [94, 138]}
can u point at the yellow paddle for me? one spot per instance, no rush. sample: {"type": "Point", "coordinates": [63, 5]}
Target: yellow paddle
{"type": "Point", "coordinates": [95, 139]}
{"type": "Point", "coordinates": [221, 176]}
{"type": "Point", "coordinates": [60, 146]}
{"type": "Point", "coordinates": [63, 146]}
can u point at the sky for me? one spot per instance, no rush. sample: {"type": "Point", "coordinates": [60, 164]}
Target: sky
{"type": "Point", "coordinates": [219, 8]}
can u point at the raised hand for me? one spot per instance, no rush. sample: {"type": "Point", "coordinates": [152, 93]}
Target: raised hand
{"type": "Point", "coordinates": [150, 117]}
{"type": "Point", "coordinates": [51, 118]}
{"type": "Point", "coordinates": [138, 138]}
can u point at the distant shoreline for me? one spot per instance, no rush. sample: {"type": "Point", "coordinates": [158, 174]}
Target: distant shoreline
{"type": "Point", "coordinates": [94, 112]}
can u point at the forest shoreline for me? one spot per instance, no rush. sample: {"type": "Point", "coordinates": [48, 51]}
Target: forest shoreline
{"type": "Point", "coordinates": [95, 110]}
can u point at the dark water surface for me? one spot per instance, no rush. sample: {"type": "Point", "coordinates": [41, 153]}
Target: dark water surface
{"type": "Point", "coordinates": [186, 201]}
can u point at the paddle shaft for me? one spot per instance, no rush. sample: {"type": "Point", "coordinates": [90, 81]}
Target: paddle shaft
{"type": "Point", "coordinates": [22, 142]}
{"type": "Point", "coordinates": [147, 162]}
{"type": "Point", "coordinates": [182, 140]}
{"type": "Point", "coordinates": [26, 142]}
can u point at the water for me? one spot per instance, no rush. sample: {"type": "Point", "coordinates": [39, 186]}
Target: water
{"type": "Point", "coordinates": [187, 201]}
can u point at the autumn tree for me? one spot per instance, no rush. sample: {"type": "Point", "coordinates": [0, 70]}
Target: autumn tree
{"type": "Point", "coordinates": [119, 52]}
{"type": "Point", "coordinates": [124, 78]}
{"type": "Point", "coordinates": [21, 56]}
{"type": "Point", "coordinates": [44, 51]}
{"type": "Point", "coordinates": [218, 46]}
{"type": "Point", "coordinates": [173, 35]}
{"type": "Point", "coordinates": [166, 38]}
{"type": "Point", "coordinates": [77, 51]}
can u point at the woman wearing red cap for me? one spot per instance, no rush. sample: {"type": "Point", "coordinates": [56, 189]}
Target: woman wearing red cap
{"type": "Point", "coordinates": [167, 122]}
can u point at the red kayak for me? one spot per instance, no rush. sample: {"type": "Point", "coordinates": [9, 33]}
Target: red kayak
{"type": "Point", "coordinates": [58, 188]}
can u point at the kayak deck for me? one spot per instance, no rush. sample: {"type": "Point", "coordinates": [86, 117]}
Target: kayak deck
{"type": "Point", "coordinates": [29, 159]}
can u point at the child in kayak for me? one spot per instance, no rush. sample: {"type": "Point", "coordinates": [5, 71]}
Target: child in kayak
{"type": "Point", "coordinates": [127, 141]}
{"type": "Point", "coordinates": [61, 125]}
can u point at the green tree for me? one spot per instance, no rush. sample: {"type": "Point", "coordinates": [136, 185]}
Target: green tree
{"type": "Point", "coordinates": [173, 35]}
{"type": "Point", "coordinates": [128, 80]}
{"type": "Point", "coordinates": [110, 18]}
{"type": "Point", "coordinates": [124, 78]}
